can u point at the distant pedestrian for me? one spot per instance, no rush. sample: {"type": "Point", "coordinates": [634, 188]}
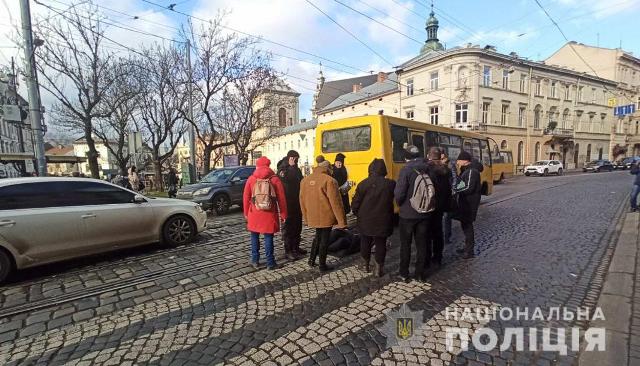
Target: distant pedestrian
{"type": "Point", "coordinates": [441, 177]}
{"type": "Point", "coordinates": [373, 206]}
{"type": "Point", "coordinates": [134, 181]}
{"type": "Point", "coordinates": [172, 183]}
{"type": "Point", "coordinates": [321, 207]}
{"type": "Point", "coordinates": [341, 175]}
{"type": "Point", "coordinates": [291, 176]}
{"type": "Point", "coordinates": [265, 207]}
{"type": "Point", "coordinates": [414, 225]}
{"type": "Point", "coordinates": [635, 170]}
{"type": "Point", "coordinates": [468, 190]}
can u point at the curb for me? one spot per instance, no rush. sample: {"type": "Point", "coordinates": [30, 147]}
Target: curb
{"type": "Point", "coordinates": [615, 300]}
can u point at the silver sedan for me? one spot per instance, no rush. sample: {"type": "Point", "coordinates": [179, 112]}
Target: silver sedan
{"type": "Point", "coordinates": [44, 220]}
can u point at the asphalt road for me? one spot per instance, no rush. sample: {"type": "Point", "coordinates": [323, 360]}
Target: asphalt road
{"type": "Point", "coordinates": [541, 241]}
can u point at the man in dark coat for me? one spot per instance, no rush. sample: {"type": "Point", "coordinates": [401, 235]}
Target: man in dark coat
{"type": "Point", "coordinates": [172, 181]}
{"type": "Point", "coordinates": [341, 176]}
{"type": "Point", "coordinates": [440, 175]}
{"type": "Point", "coordinates": [469, 191]}
{"type": "Point", "coordinates": [291, 176]}
{"type": "Point", "coordinates": [373, 205]}
{"type": "Point", "coordinates": [414, 226]}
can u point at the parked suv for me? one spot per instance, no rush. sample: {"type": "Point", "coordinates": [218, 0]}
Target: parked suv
{"type": "Point", "coordinates": [218, 190]}
{"type": "Point", "coordinates": [544, 167]}
{"type": "Point", "coordinates": [598, 166]}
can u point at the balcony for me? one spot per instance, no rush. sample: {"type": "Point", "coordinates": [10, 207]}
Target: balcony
{"type": "Point", "coordinates": [558, 132]}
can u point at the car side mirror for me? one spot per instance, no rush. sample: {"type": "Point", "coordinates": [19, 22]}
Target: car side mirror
{"type": "Point", "coordinates": [138, 199]}
{"type": "Point", "coordinates": [235, 179]}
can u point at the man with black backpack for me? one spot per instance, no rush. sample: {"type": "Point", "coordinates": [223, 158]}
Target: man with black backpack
{"type": "Point", "coordinates": [415, 194]}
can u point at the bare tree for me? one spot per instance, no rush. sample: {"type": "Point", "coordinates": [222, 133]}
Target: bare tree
{"type": "Point", "coordinates": [163, 97]}
{"type": "Point", "coordinates": [255, 102]}
{"type": "Point", "coordinates": [75, 69]}
{"type": "Point", "coordinates": [123, 98]}
{"type": "Point", "coordinates": [220, 58]}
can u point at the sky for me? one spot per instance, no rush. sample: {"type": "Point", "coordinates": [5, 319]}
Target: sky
{"type": "Point", "coordinates": [395, 34]}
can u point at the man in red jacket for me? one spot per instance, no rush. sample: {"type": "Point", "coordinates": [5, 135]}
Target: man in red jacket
{"type": "Point", "coordinates": [260, 220]}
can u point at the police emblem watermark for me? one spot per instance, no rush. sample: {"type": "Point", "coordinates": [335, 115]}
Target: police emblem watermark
{"type": "Point", "coordinates": [401, 327]}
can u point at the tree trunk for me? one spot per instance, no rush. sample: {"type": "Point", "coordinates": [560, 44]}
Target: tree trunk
{"type": "Point", "coordinates": [157, 175]}
{"type": "Point", "coordinates": [122, 164]}
{"type": "Point", "coordinates": [92, 155]}
{"type": "Point", "coordinates": [206, 162]}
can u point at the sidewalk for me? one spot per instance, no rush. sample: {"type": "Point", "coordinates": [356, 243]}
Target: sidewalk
{"type": "Point", "coordinates": [620, 303]}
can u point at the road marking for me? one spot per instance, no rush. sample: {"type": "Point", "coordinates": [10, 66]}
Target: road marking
{"type": "Point", "coordinates": [147, 311]}
{"type": "Point", "coordinates": [331, 328]}
{"type": "Point", "coordinates": [190, 331]}
{"type": "Point", "coordinates": [430, 339]}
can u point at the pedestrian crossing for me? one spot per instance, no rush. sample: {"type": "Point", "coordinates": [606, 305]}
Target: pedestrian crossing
{"type": "Point", "coordinates": [333, 327]}
{"type": "Point", "coordinates": [157, 334]}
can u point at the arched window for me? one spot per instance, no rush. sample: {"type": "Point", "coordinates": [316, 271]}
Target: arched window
{"type": "Point", "coordinates": [282, 117]}
{"type": "Point", "coordinates": [537, 113]}
{"type": "Point", "coordinates": [588, 153]}
{"type": "Point", "coordinates": [537, 151]}
{"type": "Point", "coordinates": [520, 153]}
{"type": "Point", "coordinates": [565, 118]}
{"type": "Point", "coordinates": [576, 152]}
{"type": "Point", "coordinates": [503, 145]}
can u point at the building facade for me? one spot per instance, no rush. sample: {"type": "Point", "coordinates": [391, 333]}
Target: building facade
{"type": "Point", "coordinates": [300, 137]}
{"type": "Point", "coordinates": [536, 110]}
{"type": "Point", "coordinates": [107, 163]}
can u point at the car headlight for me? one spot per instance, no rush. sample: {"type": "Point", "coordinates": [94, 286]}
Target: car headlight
{"type": "Point", "coordinates": [202, 192]}
{"type": "Point", "coordinates": [199, 208]}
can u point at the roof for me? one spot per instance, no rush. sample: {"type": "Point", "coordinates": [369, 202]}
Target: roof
{"type": "Point", "coordinates": [299, 127]}
{"type": "Point", "coordinates": [434, 56]}
{"type": "Point", "coordinates": [331, 90]}
{"type": "Point", "coordinates": [388, 86]}
{"type": "Point", "coordinates": [9, 181]}
{"type": "Point", "coordinates": [60, 151]}
{"type": "Point", "coordinates": [280, 86]}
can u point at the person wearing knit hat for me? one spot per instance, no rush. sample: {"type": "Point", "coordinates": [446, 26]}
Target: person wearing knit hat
{"type": "Point", "coordinates": [290, 175]}
{"type": "Point", "coordinates": [321, 208]}
{"type": "Point", "coordinates": [468, 189]}
{"type": "Point", "coordinates": [260, 219]}
{"type": "Point", "coordinates": [341, 175]}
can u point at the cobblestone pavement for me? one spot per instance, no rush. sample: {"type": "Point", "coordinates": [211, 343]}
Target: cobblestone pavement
{"type": "Point", "coordinates": [540, 242]}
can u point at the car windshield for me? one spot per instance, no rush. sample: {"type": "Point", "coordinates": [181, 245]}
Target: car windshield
{"type": "Point", "coordinates": [595, 162]}
{"type": "Point", "coordinates": [541, 162]}
{"type": "Point", "coordinates": [217, 176]}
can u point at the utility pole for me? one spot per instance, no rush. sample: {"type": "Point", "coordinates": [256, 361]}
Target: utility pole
{"type": "Point", "coordinates": [33, 88]}
{"type": "Point", "coordinates": [192, 129]}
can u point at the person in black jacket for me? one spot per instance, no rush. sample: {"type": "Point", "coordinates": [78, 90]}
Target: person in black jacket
{"type": "Point", "coordinates": [414, 226]}
{"type": "Point", "coordinates": [635, 170]}
{"type": "Point", "coordinates": [440, 175]}
{"type": "Point", "coordinates": [172, 182]}
{"type": "Point", "coordinates": [373, 206]}
{"type": "Point", "coordinates": [468, 190]}
{"type": "Point", "coordinates": [341, 176]}
{"type": "Point", "coordinates": [291, 176]}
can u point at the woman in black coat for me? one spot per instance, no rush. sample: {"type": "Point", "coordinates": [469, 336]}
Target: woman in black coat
{"type": "Point", "coordinates": [341, 176]}
{"type": "Point", "coordinates": [373, 206]}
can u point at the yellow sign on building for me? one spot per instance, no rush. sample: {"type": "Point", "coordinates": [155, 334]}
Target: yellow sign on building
{"type": "Point", "coordinates": [611, 102]}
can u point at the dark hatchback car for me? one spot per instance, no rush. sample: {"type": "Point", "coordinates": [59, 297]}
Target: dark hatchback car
{"type": "Point", "coordinates": [218, 190]}
{"type": "Point", "coordinates": [597, 166]}
{"type": "Point", "coordinates": [626, 163]}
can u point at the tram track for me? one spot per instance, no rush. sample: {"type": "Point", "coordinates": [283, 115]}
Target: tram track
{"type": "Point", "coordinates": [94, 291]}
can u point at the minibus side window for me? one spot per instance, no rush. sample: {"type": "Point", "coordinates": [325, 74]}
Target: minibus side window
{"type": "Point", "coordinates": [486, 153]}
{"type": "Point", "coordinates": [432, 140]}
{"type": "Point", "coordinates": [417, 140]}
{"type": "Point", "coordinates": [399, 136]}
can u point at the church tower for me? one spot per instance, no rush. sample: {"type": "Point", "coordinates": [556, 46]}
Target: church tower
{"type": "Point", "coordinates": [432, 43]}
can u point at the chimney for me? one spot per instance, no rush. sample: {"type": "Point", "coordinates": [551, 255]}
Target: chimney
{"type": "Point", "coordinates": [382, 76]}
{"type": "Point", "coordinates": [357, 87]}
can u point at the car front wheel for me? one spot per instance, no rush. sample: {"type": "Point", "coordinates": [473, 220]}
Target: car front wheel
{"type": "Point", "coordinates": [178, 230]}
{"type": "Point", "coordinates": [560, 171]}
{"type": "Point", "coordinates": [527, 174]}
{"type": "Point", "coordinates": [221, 204]}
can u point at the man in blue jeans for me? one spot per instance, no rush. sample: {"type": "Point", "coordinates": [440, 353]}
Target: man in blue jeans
{"type": "Point", "coordinates": [635, 170]}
